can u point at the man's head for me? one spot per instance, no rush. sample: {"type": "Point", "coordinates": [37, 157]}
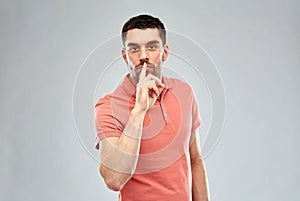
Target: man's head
{"type": "Point", "coordinates": [144, 40]}
{"type": "Point", "coordinates": [144, 22]}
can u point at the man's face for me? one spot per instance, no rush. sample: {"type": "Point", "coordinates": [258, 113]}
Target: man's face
{"type": "Point", "coordinates": [144, 46]}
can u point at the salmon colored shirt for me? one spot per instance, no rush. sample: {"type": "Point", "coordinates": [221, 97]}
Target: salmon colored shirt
{"type": "Point", "coordinates": [163, 171]}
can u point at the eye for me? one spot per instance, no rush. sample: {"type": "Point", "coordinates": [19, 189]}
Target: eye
{"type": "Point", "coordinates": [151, 47]}
{"type": "Point", "coordinates": [133, 49]}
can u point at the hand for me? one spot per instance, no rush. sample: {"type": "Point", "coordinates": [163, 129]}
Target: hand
{"type": "Point", "coordinates": [148, 89]}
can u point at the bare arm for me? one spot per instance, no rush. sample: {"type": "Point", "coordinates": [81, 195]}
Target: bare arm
{"type": "Point", "coordinates": [118, 156]}
{"type": "Point", "coordinates": [200, 191]}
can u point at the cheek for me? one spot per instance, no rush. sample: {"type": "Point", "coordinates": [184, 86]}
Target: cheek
{"type": "Point", "coordinates": [157, 57]}
{"type": "Point", "coordinates": [132, 61]}
{"type": "Point", "coordinates": [161, 56]}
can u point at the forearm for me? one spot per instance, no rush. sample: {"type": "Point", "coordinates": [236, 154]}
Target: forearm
{"type": "Point", "coordinates": [119, 158]}
{"type": "Point", "coordinates": [200, 189]}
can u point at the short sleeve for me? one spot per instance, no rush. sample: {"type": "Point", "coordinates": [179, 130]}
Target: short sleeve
{"type": "Point", "coordinates": [196, 119]}
{"type": "Point", "coordinates": [106, 125]}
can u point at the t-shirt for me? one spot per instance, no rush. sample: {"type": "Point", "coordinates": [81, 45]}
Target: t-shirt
{"type": "Point", "coordinates": [163, 169]}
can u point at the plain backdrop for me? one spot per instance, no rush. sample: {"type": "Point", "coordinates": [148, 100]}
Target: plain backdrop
{"type": "Point", "coordinates": [255, 44]}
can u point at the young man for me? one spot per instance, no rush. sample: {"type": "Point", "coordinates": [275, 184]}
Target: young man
{"type": "Point", "coordinates": [148, 126]}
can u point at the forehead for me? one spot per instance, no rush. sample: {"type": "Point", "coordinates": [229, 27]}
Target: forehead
{"type": "Point", "coordinates": [142, 36]}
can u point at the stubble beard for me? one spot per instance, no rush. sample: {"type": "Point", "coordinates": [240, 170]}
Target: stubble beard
{"type": "Point", "coordinates": [155, 71]}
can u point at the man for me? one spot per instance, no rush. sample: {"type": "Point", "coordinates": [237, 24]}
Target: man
{"type": "Point", "coordinates": [148, 126]}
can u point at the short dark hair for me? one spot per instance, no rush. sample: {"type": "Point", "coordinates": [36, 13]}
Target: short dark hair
{"type": "Point", "coordinates": [143, 22]}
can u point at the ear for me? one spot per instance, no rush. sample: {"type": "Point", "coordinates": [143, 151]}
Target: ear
{"type": "Point", "coordinates": [165, 53]}
{"type": "Point", "coordinates": [124, 56]}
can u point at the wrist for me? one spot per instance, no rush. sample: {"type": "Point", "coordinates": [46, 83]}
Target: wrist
{"type": "Point", "coordinates": [138, 111]}
{"type": "Point", "coordinates": [137, 116]}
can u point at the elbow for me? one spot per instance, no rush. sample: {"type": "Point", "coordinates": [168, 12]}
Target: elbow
{"type": "Point", "coordinates": [197, 160]}
{"type": "Point", "coordinates": [112, 181]}
{"type": "Point", "coordinates": [113, 185]}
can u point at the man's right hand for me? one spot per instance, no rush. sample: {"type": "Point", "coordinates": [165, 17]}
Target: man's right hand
{"type": "Point", "coordinates": [147, 90]}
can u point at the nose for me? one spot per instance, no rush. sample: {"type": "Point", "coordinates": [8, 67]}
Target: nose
{"type": "Point", "coordinates": [143, 60]}
{"type": "Point", "coordinates": [144, 55]}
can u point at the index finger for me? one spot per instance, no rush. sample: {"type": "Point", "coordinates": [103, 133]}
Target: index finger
{"type": "Point", "coordinates": [143, 71]}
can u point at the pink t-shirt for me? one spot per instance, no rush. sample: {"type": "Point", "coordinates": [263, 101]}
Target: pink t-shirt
{"type": "Point", "coordinates": [163, 170]}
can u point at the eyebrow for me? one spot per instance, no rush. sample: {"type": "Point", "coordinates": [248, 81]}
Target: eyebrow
{"type": "Point", "coordinates": [150, 42]}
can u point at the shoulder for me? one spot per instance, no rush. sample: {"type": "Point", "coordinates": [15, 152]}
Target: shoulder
{"type": "Point", "coordinates": [105, 100]}
{"type": "Point", "coordinates": [103, 105]}
{"type": "Point", "coordinates": [121, 93]}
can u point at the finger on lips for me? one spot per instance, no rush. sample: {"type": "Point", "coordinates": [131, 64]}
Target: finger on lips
{"type": "Point", "coordinates": [153, 83]}
{"type": "Point", "coordinates": [143, 72]}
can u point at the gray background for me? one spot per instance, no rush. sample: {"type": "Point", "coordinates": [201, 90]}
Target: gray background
{"type": "Point", "coordinates": [255, 45]}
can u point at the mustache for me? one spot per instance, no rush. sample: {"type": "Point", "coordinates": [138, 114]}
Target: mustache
{"type": "Point", "coordinates": [142, 63]}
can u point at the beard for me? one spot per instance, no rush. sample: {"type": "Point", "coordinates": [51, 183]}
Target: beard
{"type": "Point", "coordinates": [153, 69]}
